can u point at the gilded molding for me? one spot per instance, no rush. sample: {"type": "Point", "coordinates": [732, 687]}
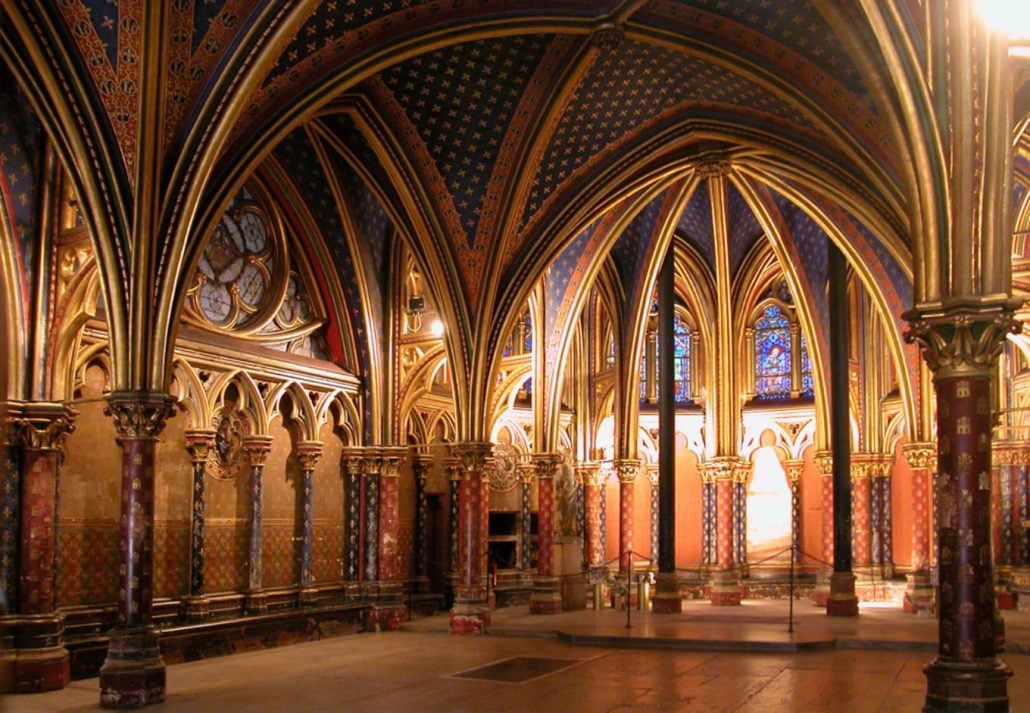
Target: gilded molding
{"type": "Point", "coordinates": [139, 414]}
{"type": "Point", "coordinates": [964, 339]}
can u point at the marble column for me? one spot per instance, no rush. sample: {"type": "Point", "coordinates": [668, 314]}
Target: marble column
{"type": "Point", "coordinates": [725, 586]}
{"type": "Point", "coordinates": [10, 480]}
{"type": "Point", "coordinates": [372, 461]}
{"type": "Point", "coordinates": [652, 481]}
{"type": "Point", "coordinates": [883, 550]}
{"type": "Point", "coordinates": [861, 513]}
{"type": "Point", "coordinates": [709, 517]}
{"type": "Point", "coordinates": [257, 449]}
{"type": "Point", "coordinates": [453, 469]}
{"type": "Point", "coordinates": [626, 469]}
{"type": "Point", "coordinates": [593, 492]}
{"type": "Point", "coordinates": [198, 443]}
{"type": "Point", "coordinates": [37, 657]}
{"type": "Point", "coordinates": [389, 610]}
{"type": "Point", "coordinates": [353, 508]}
{"type": "Point", "coordinates": [741, 476]}
{"type": "Point", "coordinates": [795, 468]}
{"type": "Point", "coordinates": [471, 613]}
{"type": "Point", "coordinates": [525, 471]}
{"type": "Point", "coordinates": [545, 599]}
{"type": "Point", "coordinates": [133, 674]}
{"type": "Point", "coordinates": [420, 465]}
{"type": "Point", "coordinates": [961, 342]}
{"type": "Point", "coordinates": [308, 453]}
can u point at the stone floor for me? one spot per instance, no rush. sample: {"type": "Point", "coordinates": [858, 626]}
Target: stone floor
{"type": "Point", "coordinates": [660, 663]}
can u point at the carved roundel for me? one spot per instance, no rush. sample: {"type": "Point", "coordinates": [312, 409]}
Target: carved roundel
{"type": "Point", "coordinates": [505, 474]}
{"type": "Point", "coordinates": [228, 457]}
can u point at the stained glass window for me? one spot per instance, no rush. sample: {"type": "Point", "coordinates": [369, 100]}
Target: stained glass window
{"type": "Point", "coordinates": [772, 355]}
{"type": "Point", "coordinates": [680, 365]}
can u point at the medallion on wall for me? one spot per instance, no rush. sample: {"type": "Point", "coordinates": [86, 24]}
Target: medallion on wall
{"type": "Point", "coordinates": [228, 458]}
{"type": "Point", "coordinates": [505, 474]}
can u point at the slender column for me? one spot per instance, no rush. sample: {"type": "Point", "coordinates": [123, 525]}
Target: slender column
{"type": "Point", "coordinates": [133, 674]}
{"type": "Point", "coordinates": [708, 517]}
{"type": "Point", "coordinates": [390, 609]}
{"type": "Point", "coordinates": [420, 464]}
{"type": "Point", "coordinates": [821, 593]}
{"type": "Point", "coordinates": [885, 547]}
{"type": "Point", "coordinates": [919, 590]}
{"type": "Point", "coordinates": [650, 359]}
{"type": "Point", "coordinates": [593, 486]}
{"type": "Point", "coordinates": [198, 443]}
{"type": "Point", "coordinates": [741, 476]}
{"type": "Point", "coordinates": [546, 598]}
{"type": "Point", "coordinates": [308, 453]}
{"type": "Point", "coordinates": [353, 508]}
{"type": "Point", "coordinates": [525, 471]}
{"type": "Point", "coordinates": [372, 462]}
{"type": "Point", "coordinates": [795, 362]}
{"type": "Point", "coordinates": [961, 344]}
{"type": "Point", "coordinates": [453, 468]}
{"type": "Point", "coordinates": [626, 469]}
{"type": "Point", "coordinates": [842, 601]}
{"type": "Point", "coordinates": [38, 659]}
{"type": "Point", "coordinates": [470, 614]}
{"type": "Point", "coordinates": [10, 479]}
{"type": "Point", "coordinates": [725, 587]}
{"type": "Point", "coordinates": [257, 448]}
{"type": "Point", "coordinates": [652, 480]}
{"type": "Point", "coordinates": [861, 512]}
{"type": "Point", "coordinates": [794, 470]}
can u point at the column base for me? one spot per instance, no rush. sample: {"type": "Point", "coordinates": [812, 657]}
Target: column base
{"type": "Point", "coordinates": [842, 601]}
{"type": "Point", "coordinates": [307, 597]}
{"type": "Point", "coordinates": [385, 618]}
{"type": "Point", "coordinates": [919, 594]}
{"type": "Point", "coordinates": [133, 675]}
{"type": "Point", "coordinates": [821, 592]}
{"type": "Point", "coordinates": [37, 660]}
{"type": "Point", "coordinates": [545, 599]}
{"type": "Point", "coordinates": [255, 602]}
{"type": "Point", "coordinates": [666, 599]}
{"type": "Point", "coordinates": [197, 608]}
{"type": "Point", "coordinates": [725, 588]}
{"type": "Point", "coordinates": [470, 614]}
{"type": "Point", "coordinates": [952, 686]}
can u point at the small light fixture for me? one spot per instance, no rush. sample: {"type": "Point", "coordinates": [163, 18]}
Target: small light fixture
{"type": "Point", "coordinates": [436, 328]}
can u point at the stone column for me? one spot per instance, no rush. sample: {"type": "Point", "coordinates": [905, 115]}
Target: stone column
{"type": "Point", "coordinates": [308, 453]}
{"type": "Point", "coordinates": [37, 657]}
{"type": "Point", "coordinates": [883, 551]}
{"type": "Point", "coordinates": [741, 476]}
{"type": "Point", "coordinates": [919, 590]}
{"type": "Point", "coordinates": [257, 448]}
{"type": "Point", "coordinates": [353, 508]}
{"type": "Point", "coordinates": [861, 516]}
{"type": "Point", "coordinates": [546, 599]}
{"type": "Point", "coordinates": [471, 613]}
{"type": "Point", "coordinates": [652, 481]}
{"type": "Point", "coordinates": [794, 470]}
{"type": "Point", "coordinates": [133, 674]}
{"type": "Point", "coordinates": [420, 465]}
{"type": "Point", "coordinates": [453, 468]}
{"type": "Point", "coordinates": [372, 461]}
{"type": "Point", "coordinates": [626, 469]}
{"type": "Point", "coordinates": [725, 587]}
{"type": "Point", "coordinates": [593, 492]}
{"type": "Point", "coordinates": [821, 593]}
{"type": "Point", "coordinates": [10, 479]}
{"type": "Point", "coordinates": [961, 343]}
{"type": "Point", "coordinates": [709, 516]}
{"type": "Point", "coordinates": [390, 610]}
{"type": "Point", "coordinates": [525, 471]}
{"type": "Point", "coordinates": [198, 443]}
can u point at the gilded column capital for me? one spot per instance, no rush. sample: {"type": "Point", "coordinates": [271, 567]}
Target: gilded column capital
{"type": "Point", "coordinates": [139, 414]}
{"type": "Point", "coordinates": [862, 465]}
{"type": "Point", "coordinates": [351, 459]}
{"type": "Point", "coordinates": [525, 473]}
{"type": "Point", "coordinates": [392, 457]}
{"type": "Point", "coordinates": [652, 473]}
{"type": "Point", "coordinates": [372, 459]}
{"type": "Point", "coordinates": [198, 443]}
{"type": "Point", "coordinates": [626, 469]}
{"type": "Point", "coordinates": [742, 471]}
{"type": "Point", "coordinates": [421, 462]}
{"type": "Point", "coordinates": [920, 455]}
{"type": "Point", "coordinates": [257, 449]}
{"type": "Point", "coordinates": [308, 453]}
{"type": "Point", "coordinates": [962, 337]}
{"type": "Point", "coordinates": [589, 473]}
{"type": "Point", "coordinates": [824, 461]}
{"type": "Point", "coordinates": [1005, 453]}
{"type": "Point", "coordinates": [721, 468]}
{"type": "Point", "coordinates": [546, 464]}
{"type": "Point", "coordinates": [472, 456]}
{"type": "Point", "coordinates": [794, 470]}
{"type": "Point", "coordinates": [43, 425]}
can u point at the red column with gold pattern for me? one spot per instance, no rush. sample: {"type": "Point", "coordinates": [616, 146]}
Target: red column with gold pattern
{"type": "Point", "coordinates": [133, 674]}
{"type": "Point", "coordinates": [546, 599]}
{"type": "Point", "coordinates": [626, 469]}
{"type": "Point", "coordinates": [38, 658]}
{"type": "Point", "coordinates": [470, 614]}
{"type": "Point", "coordinates": [821, 593]}
{"type": "Point", "coordinates": [725, 587]}
{"type": "Point", "coordinates": [861, 499]}
{"type": "Point", "coordinates": [593, 483]}
{"type": "Point", "coordinates": [919, 587]}
{"type": "Point", "coordinates": [389, 610]}
{"type": "Point", "coordinates": [961, 344]}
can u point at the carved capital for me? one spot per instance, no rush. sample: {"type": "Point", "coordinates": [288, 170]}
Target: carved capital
{"type": "Point", "coordinates": [421, 462]}
{"type": "Point", "coordinates": [525, 473]}
{"type": "Point", "coordinates": [199, 443]}
{"type": "Point", "coordinates": [257, 449]}
{"type": "Point", "coordinates": [452, 466]}
{"type": "Point", "coordinates": [472, 456]}
{"type": "Point", "coordinates": [742, 471]}
{"type": "Point", "coordinates": [962, 338]}
{"type": "Point", "coordinates": [626, 469]}
{"type": "Point", "coordinates": [919, 455]}
{"type": "Point", "coordinates": [590, 474]}
{"type": "Point", "coordinates": [372, 459]}
{"type": "Point", "coordinates": [139, 414]}
{"type": "Point", "coordinates": [794, 470]}
{"type": "Point", "coordinates": [824, 461]}
{"type": "Point", "coordinates": [721, 468]}
{"type": "Point", "coordinates": [43, 426]}
{"type": "Point", "coordinates": [351, 460]}
{"type": "Point", "coordinates": [652, 474]}
{"type": "Point", "coordinates": [546, 464]}
{"type": "Point", "coordinates": [308, 453]}
{"type": "Point", "coordinates": [392, 459]}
